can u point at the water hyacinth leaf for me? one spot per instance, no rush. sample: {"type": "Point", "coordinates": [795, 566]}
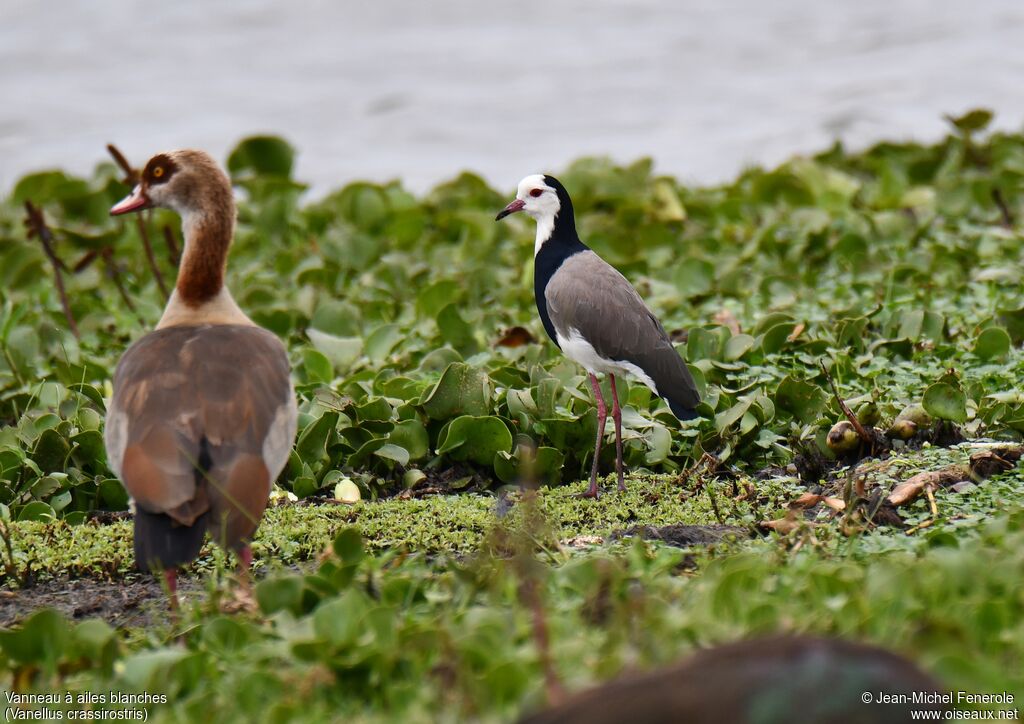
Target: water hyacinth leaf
{"type": "Point", "coordinates": [42, 639]}
{"type": "Point", "coordinates": [973, 121]}
{"type": "Point", "coordinates": [945, 402]}
{"type": "Point", "coordinates": [96, 640]}
{"type": "Point", "coordinates": [51, 451]}
{"type": "Point", "coordinates": [340, 620]}
{"type": "Point", "coordinates": [37, 510]}
{"type": "Point", "coordinates": [411, 435]}
{"type": "Point", "coordinates": [262, 156]}
{"type": "Point", "coordinates": [312, 441]}
{"type": "Point", "coordinates": [776, 337]}
{"type": "Point", "coordinates": [702, 344]}
{"type": "Point", "coordinates": [476, 439]}
{"type": "Point", "coordinates": [462, 390]}
{"type": "Point", "coordinates": [279, 593]}
{"type": "Point", "coordinates": [432, 299]}
{"type": "Point", "coordinates": [318, 367]}
{"type": "Point", "coordinates": [694, 277]}
{"type": "Point", "coordinates": [382, 340]}
{"type": "Point", "coordinates": [455, 330]}
{"type": "Point", "coordinates": [659, 444]}
{"type": "Point", "coordinates": [341, 351]}
{"type": "Point", "coordinates": [727, 418]}
{"type": "Point", "coordinates": [336, 317]}
{"type": "Point", "coordinates": [1013, 321]}
{"type": "Point", "coordinates": [112, 495]}
{"type": "Point", "coordinates": [395, 453]}
{"type": "Point", "coordinates": [375, 409]}
{"type": "Point", "coordinates": [737, 346]}
{"type": "Point", "coordinates": [993, 344]}
{"type": "Point", "coordinates": [800, 398]}
{"type": "Point", "coordinates": [348, 546]}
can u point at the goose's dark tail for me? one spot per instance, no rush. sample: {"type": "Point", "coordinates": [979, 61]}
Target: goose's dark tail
{"type": "Point", "coordinates": [161, 542]}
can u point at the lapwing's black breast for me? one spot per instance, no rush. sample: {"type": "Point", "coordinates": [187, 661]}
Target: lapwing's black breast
{"type": "Point", "coordinates": [549, 260]}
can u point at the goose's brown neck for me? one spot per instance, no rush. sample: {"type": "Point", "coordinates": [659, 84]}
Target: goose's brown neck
{"type": "Point", "coordinates": [208, 233]}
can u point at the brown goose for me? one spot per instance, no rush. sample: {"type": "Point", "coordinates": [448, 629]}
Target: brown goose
{"type": "Point", "coordinates": [775, 680]}
{"type": "Point", "coordinates": [203, 413]}
{"type": "Point", "coordinates": [595, 316]}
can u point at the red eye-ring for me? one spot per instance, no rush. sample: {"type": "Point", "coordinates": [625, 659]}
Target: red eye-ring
{"type": "Point", "coordinates": [536, 192]}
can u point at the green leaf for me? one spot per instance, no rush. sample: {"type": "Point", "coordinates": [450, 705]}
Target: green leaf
{"type": "Point", "coordinates": [694, 277]}
{"type": "Point", "coordinates": [737, 346]}
{"type": "Point", "coordinates": [973, 121]}
{"type": "Point", "coordinates": [411, 435]}
{"type": "Point", "coordinates": [477, 439]}
{"type": "Point", "coordinates": [348, 546]}
{"type": "Point", "coordinates": [945, 402]}
{"type": "Point", "coordinates": [318, 367]}
{"type": "Point", "coordinates": [341, 351]}
{"type": "Point", "coordinates": [41, 640]}
{"type": "Point", "coordinates": [462, 390]}
{"type": "Point", "coordinates": [262, 156]}
{"type": "Point", "coordinates": [800, 398]}
{"type": "Point", "coordinates": [313, 440]}
{"type": "Point", "coordinates": [993, 344]}
{"type": "Point", "coordinates": [279, 593]}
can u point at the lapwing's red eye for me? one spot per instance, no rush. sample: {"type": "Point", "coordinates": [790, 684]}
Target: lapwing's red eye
{"type": "Point", "coordinates": [536, 192]}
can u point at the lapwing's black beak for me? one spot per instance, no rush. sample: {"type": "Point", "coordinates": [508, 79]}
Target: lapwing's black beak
{"type": "Point", "coordinates": [515, 206]}
{"type": "Point", "coordinates": [137, 200]}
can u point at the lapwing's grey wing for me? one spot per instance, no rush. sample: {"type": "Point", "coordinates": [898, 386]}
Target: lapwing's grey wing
{"type": "Point", "coordinates": [202, 420]}
{"type": "Point", "coordinates": [590, 296]}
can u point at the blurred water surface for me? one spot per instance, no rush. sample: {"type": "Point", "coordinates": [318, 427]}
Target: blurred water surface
{"type": "Point", "coordinates": [422, 90]}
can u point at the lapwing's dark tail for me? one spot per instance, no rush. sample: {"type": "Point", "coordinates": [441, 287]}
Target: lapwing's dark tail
{"type": "Point", "coordinates": [680, 410]}
{"type": "Point", "coordinates": [162, 543]}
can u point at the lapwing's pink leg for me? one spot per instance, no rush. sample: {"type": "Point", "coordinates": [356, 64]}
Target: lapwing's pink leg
{"type": "Point", "coordinates": [171, 579]}
{"type": "Point", "coordinates": [602, 416]}
{"type": "Point", "coordinates": [245, 559]}
{"type": "Point", "coordinates": [617, 416]}
{"type": "Point", "coordinates": [245, 567]}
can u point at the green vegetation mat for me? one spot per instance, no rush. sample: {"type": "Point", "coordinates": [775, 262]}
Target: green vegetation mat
{"type": "Point", "coordinates": [424, 381]}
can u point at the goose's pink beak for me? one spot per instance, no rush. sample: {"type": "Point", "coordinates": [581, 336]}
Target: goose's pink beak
{"type": "Point", "coordinates": [515, 206]}
{"type": "Point", "coordinates": [135, 201]}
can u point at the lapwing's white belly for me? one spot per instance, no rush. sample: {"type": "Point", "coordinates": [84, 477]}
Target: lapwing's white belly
{"type": "Point", "coordinates": [583, 353]}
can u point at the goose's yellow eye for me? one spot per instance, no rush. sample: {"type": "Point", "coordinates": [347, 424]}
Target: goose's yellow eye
{"type": "Point", "coordinates": [158, 172]}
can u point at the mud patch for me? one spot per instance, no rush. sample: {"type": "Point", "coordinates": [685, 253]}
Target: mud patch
{"type": "Point", "coordinates": [683, 536]}
{"type": "Point", "coordinates": [136, 601]}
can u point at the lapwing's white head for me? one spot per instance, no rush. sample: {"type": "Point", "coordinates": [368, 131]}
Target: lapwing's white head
{"type": "Point", "coordinates": [188, 182]}
{"type": "Point", "coordinates": [542, 198]}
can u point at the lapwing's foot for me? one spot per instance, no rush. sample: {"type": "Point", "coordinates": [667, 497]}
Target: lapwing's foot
{"type": "Point", "coordinates": [622, 485]}
{"type": "Point", "coordinates": [591, 492]}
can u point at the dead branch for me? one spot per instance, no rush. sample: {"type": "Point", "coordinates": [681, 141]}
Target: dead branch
{"type": "Point", "coordinates": [1004, 209]}
{"type": "Point", "coordinates": [37, 227]}
{"type": "Point", "coordinates": [114, 272]}
{"type": "Point", "coordinates": [172, 246]}
{"type": "Point", "coordinates": [131, 178]}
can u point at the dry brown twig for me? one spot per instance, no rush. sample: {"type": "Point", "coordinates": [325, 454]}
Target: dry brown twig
{"type": "Point", "coordinates": [173, 254]}
{"type": "Point", "coordinates": [865, 437]}
{"type": "Point", "coordinates": [37, 228]}
{"type": "Point", "coordinates": [131, 178]}
{"type": "Point", "coordinates": [1004, 209]}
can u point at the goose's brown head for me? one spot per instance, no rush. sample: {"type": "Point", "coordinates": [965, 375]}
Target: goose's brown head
{"type": "Point", "coordinates": [185, 181]}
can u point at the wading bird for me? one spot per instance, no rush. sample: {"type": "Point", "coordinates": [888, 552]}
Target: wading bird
{"type": "Point", "coordinates": [595, 316]}
{"type": "Point", "coordinates": [203, 413]}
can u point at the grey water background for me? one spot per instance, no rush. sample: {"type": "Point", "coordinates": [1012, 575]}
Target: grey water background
{"type": "Point", "coordinates": [420, 91]}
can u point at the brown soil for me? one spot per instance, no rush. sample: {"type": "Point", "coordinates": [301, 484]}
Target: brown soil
{"type": "Point", "coordinates": [137, 600]}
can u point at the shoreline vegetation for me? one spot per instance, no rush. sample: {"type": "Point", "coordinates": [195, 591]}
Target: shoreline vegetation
{"type": "Point", "coordinates": [853, 320]}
